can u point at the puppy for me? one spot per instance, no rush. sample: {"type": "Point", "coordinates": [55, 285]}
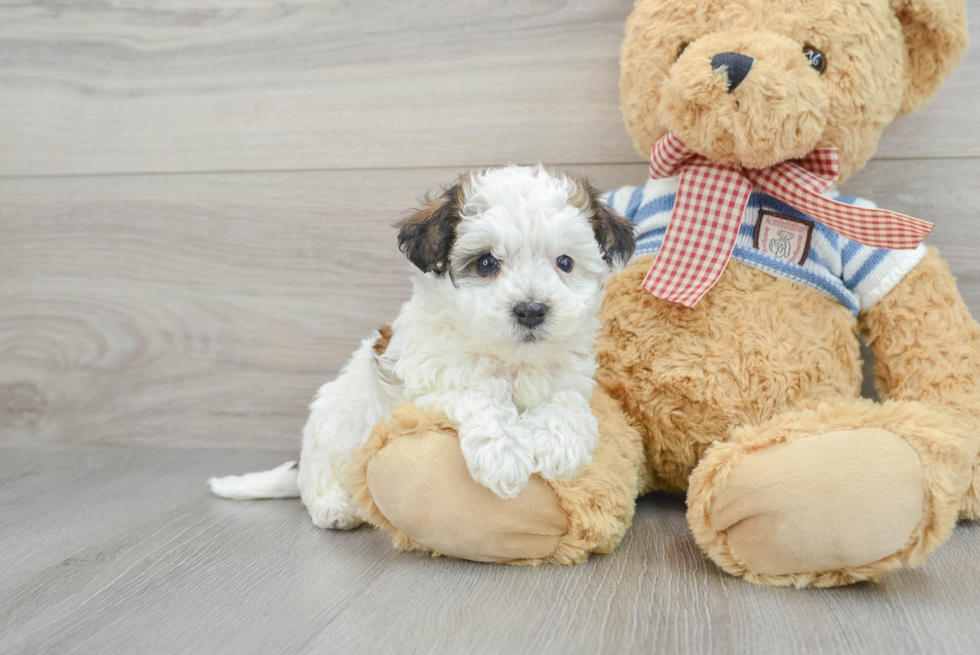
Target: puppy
{"type": "Point", "coordinates": [509, 267]}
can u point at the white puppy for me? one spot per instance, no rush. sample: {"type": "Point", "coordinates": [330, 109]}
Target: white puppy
{"type": "Point", "coordinates": [499, 334]}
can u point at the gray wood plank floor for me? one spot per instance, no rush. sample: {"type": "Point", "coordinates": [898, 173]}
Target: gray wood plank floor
{"type": "Point", "coordinates": [138, 559]}
{"type": "Point", "coordinates": [195, 211]}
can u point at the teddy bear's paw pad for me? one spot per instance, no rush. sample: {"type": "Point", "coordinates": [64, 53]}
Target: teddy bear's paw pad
{"type": "Point", "coordinates": [335, 510]}
{"type": "Point", "coordinates": [822, 503]}
{"type": "Point", "coordinates": [421, 485]}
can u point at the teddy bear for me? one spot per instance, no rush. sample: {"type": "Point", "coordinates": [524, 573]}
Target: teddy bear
{"type": "Point", "coordinates": [731, 372]}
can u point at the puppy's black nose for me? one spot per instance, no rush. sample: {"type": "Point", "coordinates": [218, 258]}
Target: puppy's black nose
{"type": "Point", "coordinates": [736, 67]}
{"type": "Point", "coordinates": [530, 314]}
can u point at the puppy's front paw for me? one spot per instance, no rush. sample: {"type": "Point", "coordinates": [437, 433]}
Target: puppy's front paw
{"type": "Point", "coordinates": [562, 463]}
{"type": "Point", "coordinates": [562, 447]}
{"type": "Point", "coordinates": [507, 475]}
{"type": "Point", "coordinates": [502, 462]}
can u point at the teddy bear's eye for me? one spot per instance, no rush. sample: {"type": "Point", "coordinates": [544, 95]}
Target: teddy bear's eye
{"type": "Point", "coordinates": [683, 47]}
{"type": "Point", "coordinates": [818, 61]}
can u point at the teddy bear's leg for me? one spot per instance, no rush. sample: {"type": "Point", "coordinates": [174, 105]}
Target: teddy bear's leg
{"type": "Point", "coordinates": [841, 492]}
{"type": "Point", "coordinates": [411, 479]}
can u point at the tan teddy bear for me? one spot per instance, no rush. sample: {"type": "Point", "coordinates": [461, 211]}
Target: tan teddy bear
{"type": "Point", "coordinates": [745, 394]}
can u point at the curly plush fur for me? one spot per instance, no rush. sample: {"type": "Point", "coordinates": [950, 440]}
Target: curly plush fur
{"type": "Point", "coordinates": [739, 357]}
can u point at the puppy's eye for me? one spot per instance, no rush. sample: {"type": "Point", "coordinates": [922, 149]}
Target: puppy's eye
{"type": "Point", "coordinates": [486, 265]}
{"type": "Point", "coordinates": [565, 263]}
{"type": "Point", "coordinates": [817, 59]}
{"type": "Point", "coordinates": [681, 50]}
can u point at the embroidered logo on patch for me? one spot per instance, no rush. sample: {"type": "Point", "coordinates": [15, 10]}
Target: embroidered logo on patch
{"type": "Point", "coordinates": [784, 237]}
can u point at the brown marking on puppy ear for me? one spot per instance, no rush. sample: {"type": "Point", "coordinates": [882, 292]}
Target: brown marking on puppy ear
{"type": "Point", "coordinates": [936, 37]}
{"type": "Point", "coordinates": [381, 345]}
{"type": "Point", "coordinates": [427, 236]}
{"type": "Point", "coordinates": [613, 233]}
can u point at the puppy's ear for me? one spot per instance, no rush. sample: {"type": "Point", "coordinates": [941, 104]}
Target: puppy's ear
{"type": "Point", "coordinates": [614, 234]}
{"type": "Point", "coordinates": [427, 236]}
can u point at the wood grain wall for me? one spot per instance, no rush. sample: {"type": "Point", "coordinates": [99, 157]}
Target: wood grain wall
{"type": "Point", "coordinates": [196, 197]}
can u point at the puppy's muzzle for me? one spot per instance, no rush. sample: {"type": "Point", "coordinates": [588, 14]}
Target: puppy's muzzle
{"type": "Point", "coordinates": [530, 314]}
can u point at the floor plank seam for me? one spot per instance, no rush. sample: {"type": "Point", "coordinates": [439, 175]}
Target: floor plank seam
{"type": "Point", "coordinates": [354, 169]}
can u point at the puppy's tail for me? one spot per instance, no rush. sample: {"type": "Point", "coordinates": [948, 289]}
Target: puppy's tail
{"type": "Point", "coordinates": [280, 482]}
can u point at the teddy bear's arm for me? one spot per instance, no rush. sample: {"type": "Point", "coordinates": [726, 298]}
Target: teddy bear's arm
{"type": "Point", "coordinates": [926, 344]}
{"type": "Point", "coordinates": [927, 349]}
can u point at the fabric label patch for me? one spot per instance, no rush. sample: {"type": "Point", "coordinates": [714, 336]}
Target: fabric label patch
{"type": "Point", "coordinates": [784, 237]}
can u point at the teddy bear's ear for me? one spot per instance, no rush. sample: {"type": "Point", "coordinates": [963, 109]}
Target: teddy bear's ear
{"type": "Point", "coordinates": [936, 38]}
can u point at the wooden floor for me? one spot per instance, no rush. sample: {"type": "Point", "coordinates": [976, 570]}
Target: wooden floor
{"type": "Point", "coordinates": [119, 550]}
{"type": "Point", "coordinates": [195, 211]}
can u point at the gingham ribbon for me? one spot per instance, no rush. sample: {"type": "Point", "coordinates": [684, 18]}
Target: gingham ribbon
{"type": "Point", "coordinates": [711, 198]}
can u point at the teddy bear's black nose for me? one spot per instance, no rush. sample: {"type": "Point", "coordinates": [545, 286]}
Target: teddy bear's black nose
{"type": "Point", "coordinates": [736, 67]}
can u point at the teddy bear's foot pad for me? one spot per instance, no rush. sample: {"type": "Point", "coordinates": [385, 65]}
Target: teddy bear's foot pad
{"type": "Point", "coordinates": [831, 501]}
{"type": "Point", "coordinates": [421, 485]}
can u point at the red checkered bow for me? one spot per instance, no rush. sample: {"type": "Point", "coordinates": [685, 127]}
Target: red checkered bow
{"type": "Point", "coordinates": [711, 199]}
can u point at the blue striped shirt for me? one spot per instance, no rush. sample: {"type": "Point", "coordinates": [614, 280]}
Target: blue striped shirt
{"type": "Point", "coordinates": [781, 241]}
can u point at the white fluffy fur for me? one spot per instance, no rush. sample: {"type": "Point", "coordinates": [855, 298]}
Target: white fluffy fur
{"type": "Point", "coordinates": [521, 405]}
{"type": "Point", "coordinates": [279, 482]}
